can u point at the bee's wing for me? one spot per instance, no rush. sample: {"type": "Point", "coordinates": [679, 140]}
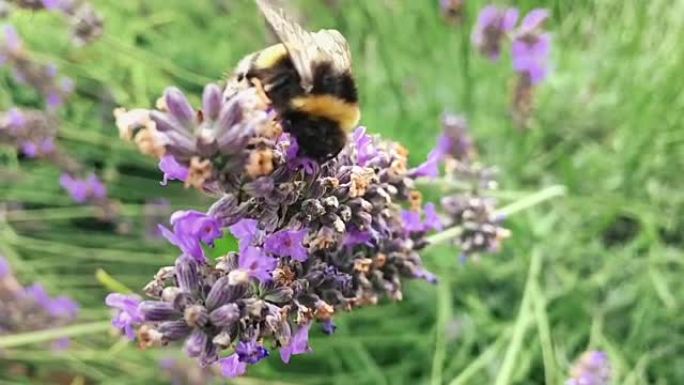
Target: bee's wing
{"type": "Point", "coordinates": [306, 48]}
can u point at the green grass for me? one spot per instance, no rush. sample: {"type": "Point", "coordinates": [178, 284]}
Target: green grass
{"type": "Point", "coordinates": [600, 268]}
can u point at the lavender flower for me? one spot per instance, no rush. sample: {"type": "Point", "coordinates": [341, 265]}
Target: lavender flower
{"type": "Point", "coordinates": [592, 368]}
{"type": "Point", "coordinates": [313, 238]}
{"type": "Point", "coordinates": [481, 227]}
{"type": "Point", "coordinates": [298, 345]}
{"type": "Point", "coordinates": [453, 10]}
{"type": "Point", "coordinates": [31, 131]}
{"type": "Point", "coordinates": [253, 262]}
{"type": "Point", "coordinates": [24, 309]}
{"type": "Point", "coordinates": [43, 78]}
{"type": "Point", "coordinates": [86, 23]}
{"type": "Point", "coordinates": [127, 315]}
{"type": "Point", "coordinates": [172, 170]}
{"type": "Point", "coordinates": [83, 190]}
{"type": "Point", "coordinates": [455, 141]}
{"type": "Point", "coordinates": [190, 229]}
{"type": "Point", "coordinates": [287, 243]}
{"type": "Point", "coordinates": [531, 47]}
{"type": "Point", "coordinates": [493, 24]}
{"type": "Point", "coordinates": [246, 231]}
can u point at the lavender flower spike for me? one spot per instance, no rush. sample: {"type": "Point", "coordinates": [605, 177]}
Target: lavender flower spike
{"type": "Point", "coordinates": [592, 368]}
{"type": "Point", "coordinates": [492, 26]}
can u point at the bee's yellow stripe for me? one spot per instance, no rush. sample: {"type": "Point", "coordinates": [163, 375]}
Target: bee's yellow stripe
{"type": "Point", "coordinates": [268, 57]}
{"type": "Point", "coordinates": [346, 114]}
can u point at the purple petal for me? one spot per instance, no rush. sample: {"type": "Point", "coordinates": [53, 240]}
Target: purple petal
{"type": "Point", "coordinates": [172, 169]}
{"type": "Point", "coordinates": [534, 20]}
{"type": "Point", "coordinates": [510, 17]}
{"type": "Point", "coordinates": [231, 366]}
{"type": "Point", "coordinates": [298, 345]}
{"type": "Point", "coordinates": [5, 269]}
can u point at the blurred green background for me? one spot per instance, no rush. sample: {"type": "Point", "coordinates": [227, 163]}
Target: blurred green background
{"type": "Point", "coordinates": [607, 124]}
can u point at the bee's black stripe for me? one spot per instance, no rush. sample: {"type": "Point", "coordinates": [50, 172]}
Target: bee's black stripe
{"type": "Point", "coordinates": [327, 82]}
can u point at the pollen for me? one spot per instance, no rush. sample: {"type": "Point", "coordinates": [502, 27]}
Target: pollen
{"type": "Point", "coordinates": [198, 173]}
{"type": "Point", "coordinates": [148, 142]}
{"type": "Point", "coordinates": [323, 311]}
{"type": "Point", "coordinates": [415, 200]}
{"type": "Point", "coordinates": [360, 182]}
{"type": "Point", "coordinates": [363, 265]}
{"type": "Point", "coordinates": [260, 163]}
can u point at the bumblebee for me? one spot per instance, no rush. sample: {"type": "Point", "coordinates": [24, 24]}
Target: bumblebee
{"type": "Point", "coordinates": [308, 79]}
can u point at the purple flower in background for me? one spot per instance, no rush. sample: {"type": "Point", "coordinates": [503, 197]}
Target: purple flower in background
{"type": "Point", "coordinates": [172, 170]}
{"type": "Point", "coordinates": [60, 307]}
{"type": "Point", "coordinates": [531, 48]}
{"type": "Point", "coordinates": [455, 141]}
{"type": "Point", "coordinates": [432, 221]}
{"type": "Point", "coordinates": [189, 228]}
{"type": "Point", "coordinates": [15, 119]}
{"type": "Point", "coordinates": [246, 232]}
{"type": "Point", "coordinates": [12, 40]}
{"type": "Point", "coordinates": [5, 269]}
{"type": "Point", "coordinates": [82, 190]}
{"type": "Point", "coordinates": [592, 368]}
{"type": "Point", "coordinates": [256, 264]}
{"type": "Point", "coordinates": [33, 149]}
{"type": "Point", "coordinates": [38, 293]}
{"type": "Point", "coordinates": [531, 56]}
{"type": "Point", "coordinates": [128, 316]}
{"type": "Point", "coordinates": [412, 222]}
{"type": "Point", "coordinates": [493, 24]}
{"type": "Point", "coordinates": [61, 344]}
{"type": "Point", "coordinates": [298, 345]}
{"type": "Point", "coordinates": [429, 168]}
{"type": "Point", "coordinates": [533, 22]}
{"type": "Point", "coordinates": [288, 243]}
{"type": "Point", "coordinates": [52, 4]}
{"type": "Point", "coordinates": [63, 307]}
{"type": "Point", "coordinates": [232, 367]}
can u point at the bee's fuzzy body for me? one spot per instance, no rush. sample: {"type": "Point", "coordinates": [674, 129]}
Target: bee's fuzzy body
{"type": "Point", "coordinates": [319, 118]}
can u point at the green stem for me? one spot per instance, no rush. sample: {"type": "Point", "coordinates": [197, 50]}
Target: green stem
{"type": "Point", "coordinates": [110, 282]}
{"type": "Point", "coordinates": [53, 334]}
{"type": "Point", "coordinates": [522, 204]}
{"type": "Point", "coordinates": [444, 311]}
{"type": "Point", "coordinates": [542, 319]}
{"type": "Point", "coordinates": [532, 200]}
{"type": "Point", "coordinates": [446, 185]}
{"type": "Point", "coordinates": [521, 324]}
{"type": "Point", "coordinates": [481, 361]}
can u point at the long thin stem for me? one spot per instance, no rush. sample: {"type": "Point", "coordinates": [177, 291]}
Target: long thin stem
{"type": "Point", "coordinates": [481, 361]}
{"type": "Point", "coordinates": [521, 324]}
{"type": "Point", "coordinates": [522, 204]}
{"type": "Point", "coordinates": [52, 334]}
